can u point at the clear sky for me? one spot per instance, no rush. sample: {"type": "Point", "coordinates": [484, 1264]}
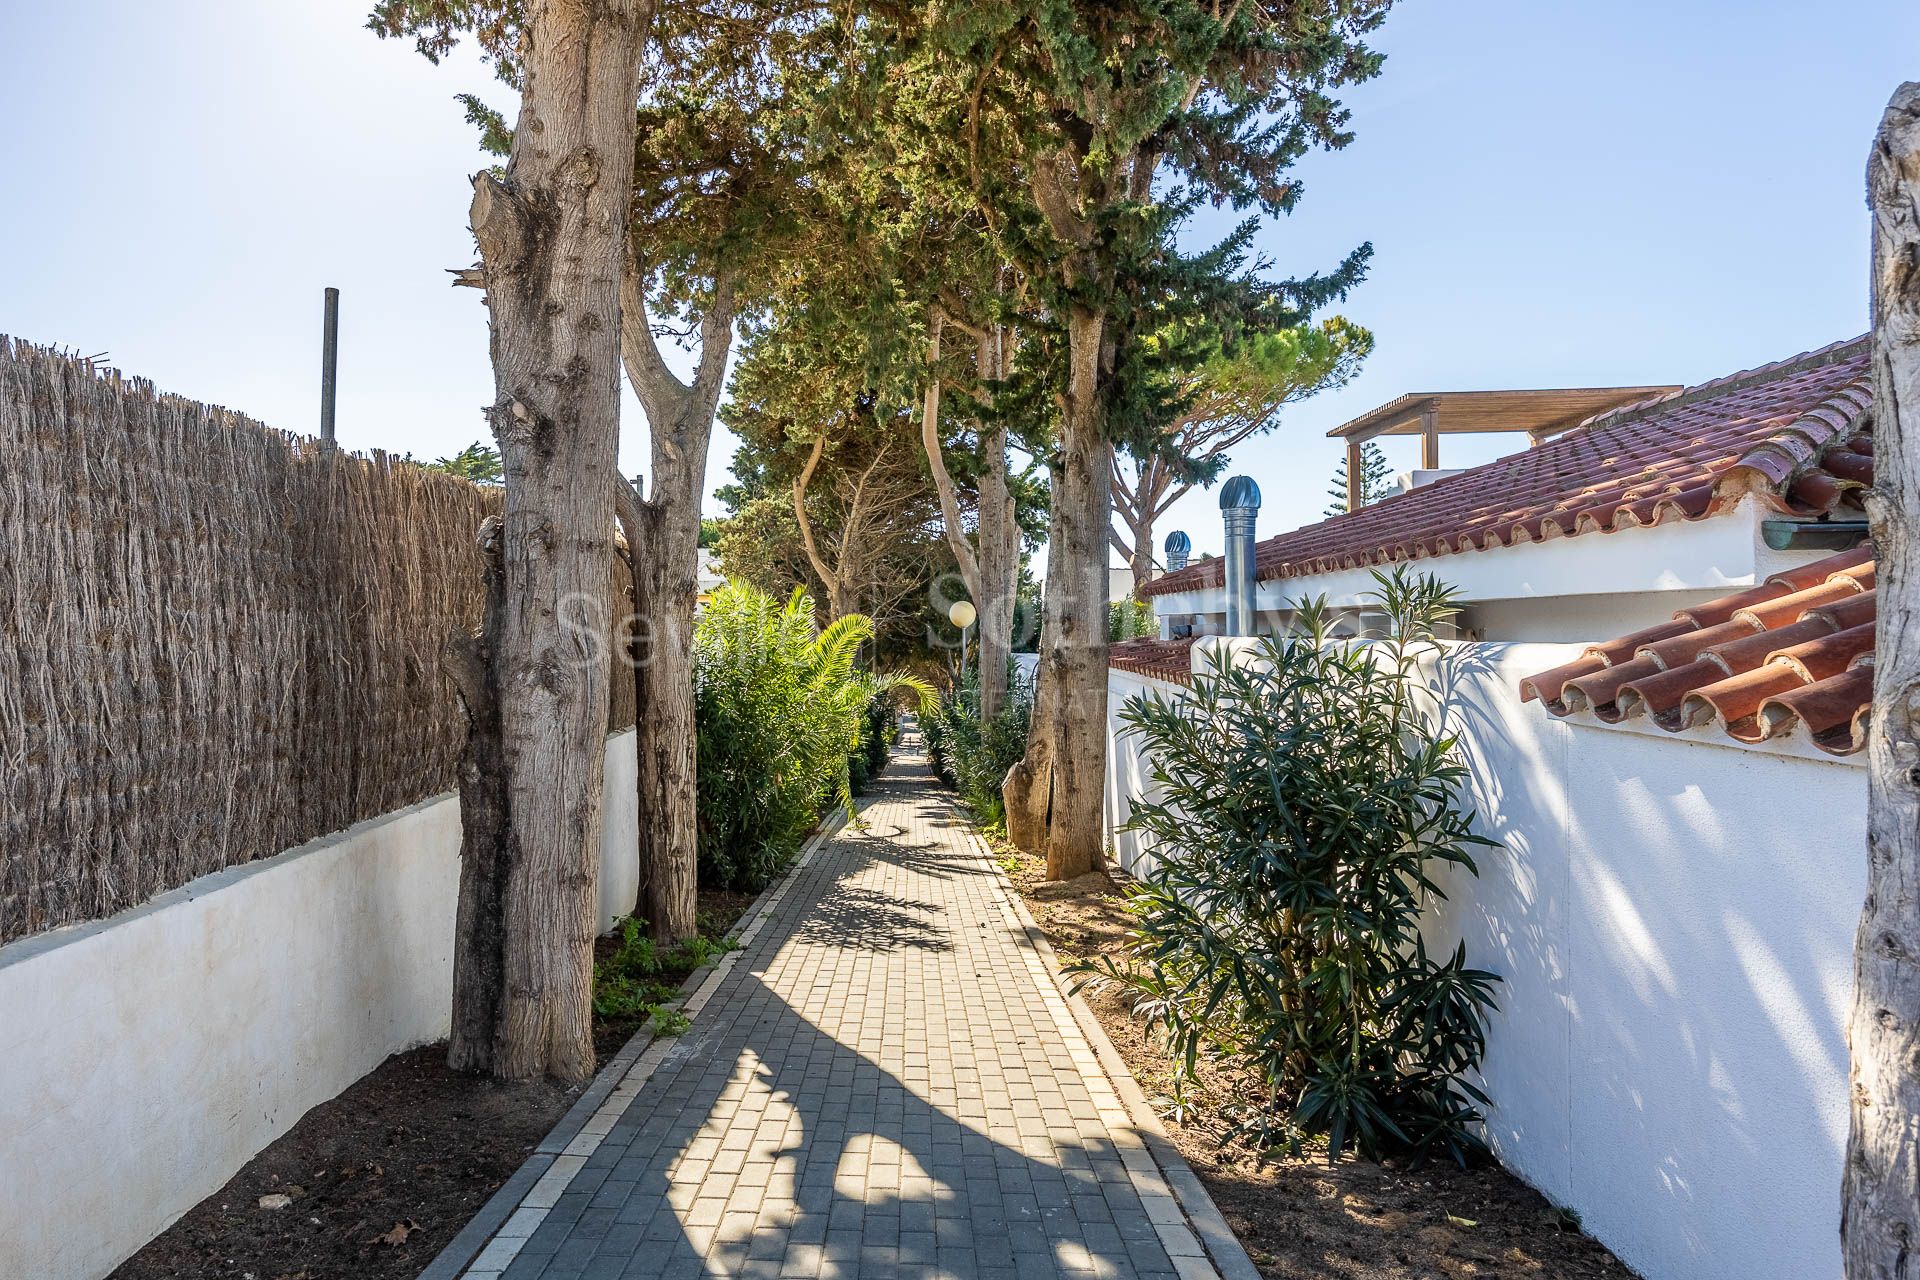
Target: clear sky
{"type": "Point", "coordinates": [1558, 194]}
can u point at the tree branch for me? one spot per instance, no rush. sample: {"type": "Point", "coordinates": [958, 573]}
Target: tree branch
{"type": "Point", "coordinates": [662, 395]}
{"type": "Point", "coordinates": [827, 577]}
{"type": "Point", "coordinates": [937, 462]}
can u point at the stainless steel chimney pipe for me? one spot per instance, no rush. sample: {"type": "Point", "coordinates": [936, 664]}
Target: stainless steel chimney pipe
{"type": "Point", "coordinates": [1240, 506]}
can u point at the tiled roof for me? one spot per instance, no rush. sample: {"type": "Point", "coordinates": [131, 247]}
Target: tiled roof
{"type": "Point", "coordinates": [1796, 650]}
{"type": "Point", "coordinates": [1161, 659]}
{"type": "Point", "coordinates": [1786, 433]}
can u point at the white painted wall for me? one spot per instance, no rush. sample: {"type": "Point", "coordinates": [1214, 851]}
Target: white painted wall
{"type": "Point", "coordinates": [1127, 767]}
{"type": "Point", "coordinates": [1674, 921]}
{"type": "Point", "coordinates": [145, 1058]}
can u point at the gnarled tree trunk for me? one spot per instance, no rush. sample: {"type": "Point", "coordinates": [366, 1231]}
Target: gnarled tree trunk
{"type": "Point", "coordinates": [1058, 787]}
{"type": "Point", "coordinates": [1880, 1219]}
{"type": "Point", "coordinates": [992, 570]}
{"type": "Point", "coordinates": [486, 851]}
{"type": "Point", "coordinates": [999, 574]}
{"type": "Point", "coordinates": [663, 531]}
{"type": "Point", "coordinates": [551, 246]}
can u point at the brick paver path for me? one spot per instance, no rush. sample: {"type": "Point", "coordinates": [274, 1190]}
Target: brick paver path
{"type": "Point", "coordinates": [885, 1083]}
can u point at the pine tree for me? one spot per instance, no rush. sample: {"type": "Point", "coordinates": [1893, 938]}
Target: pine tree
{"type": "Point", "coordinates": [1373, 479]}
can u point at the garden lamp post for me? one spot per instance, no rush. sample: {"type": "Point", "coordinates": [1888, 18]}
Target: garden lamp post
{"type": "Point", "coordinates": [962, 613]}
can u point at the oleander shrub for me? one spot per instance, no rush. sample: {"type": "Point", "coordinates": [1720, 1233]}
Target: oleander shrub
{"type": "Point", "coordinates": [880, 726]}
{"type": "Point", "coordinates": [778, 708]}
{"type": "Point", "coordinates": [1302, 805]}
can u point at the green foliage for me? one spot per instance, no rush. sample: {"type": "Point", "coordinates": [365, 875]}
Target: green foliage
{"type": "Point", "coordinates": [778, 707]}
{"type": "Point", "coordinates": [973, 757]}
{"type": "Point", "coordinates": [637, 981]}
{"type": "Point", "coordinates": [711, 530]}
{"type": "Point", "coordinates": [477, 462]}
{"type": "Point", "coordinates": [1373, 479]}
{"type": "Point", "coordinates": [1130, 619]}
{"type": "Point", "coordinates": [881, 727]}
{"type": "Point", "coordinates": [668, 1022]}
{"type": "Point", "coordinates": [1301, 803]}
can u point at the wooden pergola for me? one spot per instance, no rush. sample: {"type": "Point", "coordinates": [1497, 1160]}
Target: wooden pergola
{"type": "Point", "coordinates": [1541, 414]}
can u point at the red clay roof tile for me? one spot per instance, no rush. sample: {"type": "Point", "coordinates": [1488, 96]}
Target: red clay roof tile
{"type": "Point", "coordinates": [1797, 650]}
{"type": "Point", "coordinates": [1162, 659]}
{"type": "Point", "coordinates": [1766, 432]}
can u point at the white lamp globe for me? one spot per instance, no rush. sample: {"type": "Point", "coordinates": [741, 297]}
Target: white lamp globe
{"type": "Point", "coordinates": [961, 613]}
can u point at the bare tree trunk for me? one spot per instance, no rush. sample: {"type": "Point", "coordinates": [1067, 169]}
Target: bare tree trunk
{"type": "Point", "coordinates": [551, 246]}
{"type": "Point", "coordinates": [1880, 1218]}
{"type": "Point", "coordinates": [1026, 793]}
{"type": "Point", "coordinates": [999, 574]}
{"type": "Point", "coordinates": [663, 531]}
{"type": "Point", "coordinates": [992, 571]}
{"type": "Point", "coordinates": [1060, 782]}
{"type": "Point", "coordinates": [486, 850]}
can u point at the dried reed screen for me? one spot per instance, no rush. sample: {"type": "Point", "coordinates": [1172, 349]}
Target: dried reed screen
{"type": "Point", "coordinates": [217, 641]}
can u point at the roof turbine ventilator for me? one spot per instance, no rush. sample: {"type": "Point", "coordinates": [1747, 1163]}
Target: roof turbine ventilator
{"type": "Point", "coordinates": [1240, 506]}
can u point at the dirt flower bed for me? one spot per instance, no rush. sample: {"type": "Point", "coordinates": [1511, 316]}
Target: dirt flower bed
{"type": "Point", "coordinates": [1305, 1219]}
{"type": "Point", "coordinates": [373, 1184]}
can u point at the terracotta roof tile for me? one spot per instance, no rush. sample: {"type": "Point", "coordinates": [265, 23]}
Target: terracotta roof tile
{"type": "Point", "coordinates": [1796, 650]}
{"type": "Point", "coordinates": [1162, 659]}
{"type": "Point", "coordinates": [1788, 434]}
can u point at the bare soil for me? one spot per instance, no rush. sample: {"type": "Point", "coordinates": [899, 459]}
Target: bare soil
{"type": "Point", "coordinates": [382, 1177]}
{"type": "Point", "coordinates": [1308, 1219]}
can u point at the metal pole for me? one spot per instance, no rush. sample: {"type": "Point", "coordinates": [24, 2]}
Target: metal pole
{"type": "Point", "coordinates": [329, 362]}
{"type": "Point", "coordinates": [1240, 505]}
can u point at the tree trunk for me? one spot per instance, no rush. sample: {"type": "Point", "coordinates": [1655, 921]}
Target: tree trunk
{"type": "Point", "coordinates": [1880, 1217]}
{"type": "Point", "coordinates": [551, 246]}
{"type": "Point", "coordinates": [999, 574]}
{"type": "Point", "coordinates": [665, 555]}
{"type": "Point", "coordinates": [486, 850]}
{"type": "Point", "coordinates": [665, 589]}
{"type": "Point", "coordinates": [663, 531]}
{"type": "Point", "coordinates": [992, 571]}
{"type": "Point", "coordinates": [1058, 786]}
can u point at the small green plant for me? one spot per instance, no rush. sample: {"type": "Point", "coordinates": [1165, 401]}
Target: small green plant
{"type": "Point", "coordinates": [1300, 806]}
{"type": "Point", "coordinates": [668, 1022]}
{"type": "Point", "coordinates": [637, 980]}
{"type": "Point", "coordinates": [973, 756]}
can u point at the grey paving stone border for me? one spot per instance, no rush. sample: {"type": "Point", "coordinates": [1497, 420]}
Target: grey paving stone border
{"type": "Point", "coordinates": [485, 1225]}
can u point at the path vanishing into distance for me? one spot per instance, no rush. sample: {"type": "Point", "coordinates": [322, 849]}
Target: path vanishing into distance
{"type": "Point", "coordinates": [886, 1082]}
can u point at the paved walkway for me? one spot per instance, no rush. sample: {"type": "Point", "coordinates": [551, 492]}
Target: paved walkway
{"type": "Point", "coordinates": [884, 1083]}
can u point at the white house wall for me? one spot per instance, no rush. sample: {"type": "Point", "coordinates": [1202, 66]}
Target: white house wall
{"type": "Point", "coordinates": [1718, 553]}
{"type": "Point", "coordinates": [1674, 924]}
{"type": "Point", "coordinates": [145, 1058]}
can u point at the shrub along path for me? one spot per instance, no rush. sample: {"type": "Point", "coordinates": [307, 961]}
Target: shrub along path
{"type": "Point", "coordinates": [885, 1081]}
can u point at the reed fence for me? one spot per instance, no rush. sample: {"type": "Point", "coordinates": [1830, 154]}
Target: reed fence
{"type": "Point", "coordinates": [217, 640]}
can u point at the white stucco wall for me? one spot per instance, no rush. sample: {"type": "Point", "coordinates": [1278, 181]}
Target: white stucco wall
{"type": "Point", "coordinates": [145, 1058]}
{"type": "Point", "coordinates": [1674, 922]}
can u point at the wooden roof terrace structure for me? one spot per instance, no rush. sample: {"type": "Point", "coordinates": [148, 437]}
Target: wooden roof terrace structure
{"type": "Point", "coordinates": [1541, 413]}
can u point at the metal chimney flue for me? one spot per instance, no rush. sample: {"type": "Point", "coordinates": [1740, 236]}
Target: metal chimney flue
{"type": "Point", "coordinates": [1240, 506]}
{"type": "Point", "coordinates": [1179, 546]}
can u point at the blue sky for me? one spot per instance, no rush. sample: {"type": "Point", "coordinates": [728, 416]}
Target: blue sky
{"type": "Point", "coordinates": [1557, 194]}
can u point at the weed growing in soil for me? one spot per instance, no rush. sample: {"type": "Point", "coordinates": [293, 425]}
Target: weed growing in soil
{"type": "Point", "coordinates": [639, 979]}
